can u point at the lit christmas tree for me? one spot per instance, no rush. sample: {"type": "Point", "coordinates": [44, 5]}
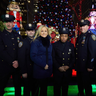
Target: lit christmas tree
{"type": "Point", "coordinates": [55, 13]}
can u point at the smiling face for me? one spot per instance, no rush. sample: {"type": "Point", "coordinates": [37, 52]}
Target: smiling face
{"type": "Point", "coordinates": [14, 7]}
{"type": "Point", "coordinates": [84, 28]}
{"type": "Point", "coordinates": [44, 32]}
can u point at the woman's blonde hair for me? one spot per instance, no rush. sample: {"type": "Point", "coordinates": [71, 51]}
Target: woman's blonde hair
{"type": "Point", "coordinates": [39, 30]}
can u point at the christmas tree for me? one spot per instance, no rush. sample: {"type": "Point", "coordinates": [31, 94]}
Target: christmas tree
{"type": "Point", "coordinates": [55, 13]}
{"type": "Point", "coordinates": [1, 26]}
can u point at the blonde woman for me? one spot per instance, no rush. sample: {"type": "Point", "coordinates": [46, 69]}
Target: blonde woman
{"type": "Point", "coordinates": [41, 55]}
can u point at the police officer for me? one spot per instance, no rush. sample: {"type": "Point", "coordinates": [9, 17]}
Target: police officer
{"type": "Point", "coordinates": [85, 47]}
{"type": "Point", "coordinates": [63, 60]}
{"type": "Point", "coordinates": [8, 55]}
{"type": "Point", "coordinates": [24, 59]}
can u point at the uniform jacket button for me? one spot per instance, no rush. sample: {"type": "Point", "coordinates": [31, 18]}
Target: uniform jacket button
{"type": "Point", "coordinates": [83, 59]}
{"type": "Point", "coordinates": [63, 58]}
{"type": "Point", "coordinates": [13, 48]}
{"type": "Point", "coordinates": [5, 45]}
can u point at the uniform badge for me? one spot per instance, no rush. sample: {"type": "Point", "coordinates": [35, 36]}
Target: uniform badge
{"type": "Point", "coordinates": [20, 44]}
{"type": "Point", "coordinates": [64, 29]}
{"type": "Point", "coordinates": [93, 37]}
{"type": "Point", "coordinates": [82, 21]}
{"type": "Point", "coordinates": [7, 15]}
{"type": "Point", "coordinates": [30, 25]}
{"type": "Point", "coordinates": [69, 51]}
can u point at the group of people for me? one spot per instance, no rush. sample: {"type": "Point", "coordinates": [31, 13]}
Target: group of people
{"type": "Point", "coordinates": [36, 59]}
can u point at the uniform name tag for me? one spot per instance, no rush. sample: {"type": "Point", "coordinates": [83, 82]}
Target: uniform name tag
{"type": "Point", "coordinates": [69, 50]}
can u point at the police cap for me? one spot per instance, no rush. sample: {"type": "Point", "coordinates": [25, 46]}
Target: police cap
{"type": "Point", "coordinates": [64, 30]}
{"type": "Point", "coordinates": [30, 26]}
{"type": "Point", "coordinates": [7, 18]}
{"type": "Point", "coordinates": [84, 22]}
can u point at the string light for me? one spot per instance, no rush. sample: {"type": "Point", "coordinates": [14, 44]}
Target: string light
{"type": "Point", "coordinates": [55, 13]}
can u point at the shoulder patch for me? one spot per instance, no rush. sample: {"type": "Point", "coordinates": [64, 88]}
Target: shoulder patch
{"type": "Point", "coordinates": [20, 44]}
{"type": "Point", "coordinates": [93, 37]}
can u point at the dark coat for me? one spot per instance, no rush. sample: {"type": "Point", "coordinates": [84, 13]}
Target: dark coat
{"type": "Point", "coordinates": [8, 50]}
{"type": "Point", "coordinates": [24, 56]}
{"type": "Point", "coordinates": [38, 56]}
{"type": "Point", "coordinates": [62, 56]}
{"type": "Point", "coordinates": [85, 49]}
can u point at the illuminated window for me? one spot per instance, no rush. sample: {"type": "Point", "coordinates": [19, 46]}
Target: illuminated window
{"type": "Point", "coordinates": [28, 1]}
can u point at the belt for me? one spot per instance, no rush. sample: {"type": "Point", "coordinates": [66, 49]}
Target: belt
{"type": "Point", "coordinates": [16, 21]}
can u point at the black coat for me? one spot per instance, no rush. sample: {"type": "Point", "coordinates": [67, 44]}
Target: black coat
{"type": "Point", "coordinates": [8, 50]}
{"type": "Point", "coordinates": [38, 56]}
{"type": "Point", "coordinates": [24, 56]}
{"type": "Point", "coordinates": [62, 56]}
{"type": "Point", "coordinates": [85, 51]}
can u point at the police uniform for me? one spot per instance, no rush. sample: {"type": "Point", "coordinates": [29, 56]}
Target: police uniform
{"type": "Point", "coordinates": [8, 53]}
{"type": "Point", "coordinates": [85, 48]}
{"type": "Point", "coordinates": [63, 55]}
{"type": "Point", "coordinates": [25, 61]}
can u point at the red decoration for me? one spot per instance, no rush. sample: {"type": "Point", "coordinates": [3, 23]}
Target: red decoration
{"type": "Point", "coordinates": [79, 16]}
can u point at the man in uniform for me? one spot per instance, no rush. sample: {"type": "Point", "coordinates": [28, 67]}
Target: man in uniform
{"type": "Point", "coordinates": [24, 59]}
{"type": "Point", "coordinates": [63, 61]}
{"type": "Point", "coordinates": [85, 47]}
{"type": "Point", "coordinates": [8, 55]}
